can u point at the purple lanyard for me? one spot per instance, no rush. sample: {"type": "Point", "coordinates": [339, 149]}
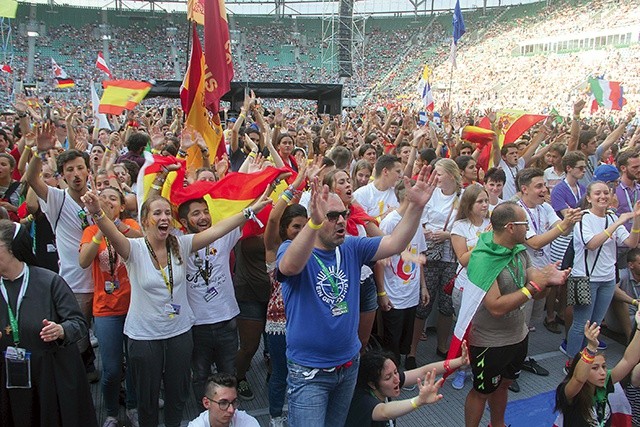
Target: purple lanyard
{"type": "Point", "coordinates": [536, 225]}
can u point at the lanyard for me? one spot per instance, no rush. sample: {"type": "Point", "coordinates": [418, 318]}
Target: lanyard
{"type": "Point", "coordinates": [168, 281]}
{"type": "Point", "coordinates": [513, 175]}
{"type": "Point", "coordinates": [330, 277]}
{"type": "Point", "coordinates": [536, 225]}
{"type": "Point", "coordinates": [519, 276]}
{"type": "Point", "coordinates": [635, 197]}
{"type": "Point", "coordinates": [113, 257]}
{"type": "Point", "coordinates": [578, 196]}
{"type": "Point", "coordinates": [13, 318]}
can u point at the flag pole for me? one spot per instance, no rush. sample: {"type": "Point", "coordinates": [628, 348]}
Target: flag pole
{"type": "Point", "coordinates": [450, 84]}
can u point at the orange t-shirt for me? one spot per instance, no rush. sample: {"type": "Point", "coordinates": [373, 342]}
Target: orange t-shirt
{"type": "Point", "coordinates": [116, 303]}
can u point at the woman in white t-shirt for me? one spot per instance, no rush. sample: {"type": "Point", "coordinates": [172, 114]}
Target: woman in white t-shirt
{"type": "Point", "coordinates": [437, 217]}
{"type": "Point", "coordinates": [597, 237]}
{"type": "Point", "coordinates": [159, 320]}
{"type": "Point", "coordinates": [471, 221]}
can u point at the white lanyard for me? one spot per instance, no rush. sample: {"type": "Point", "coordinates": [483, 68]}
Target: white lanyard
{"type": "Point", "coordinates": [23, 290]}
{"type": "Point", "coordinates": [635, 196]}
{"type": "Point", "coordinates": [577, 197]}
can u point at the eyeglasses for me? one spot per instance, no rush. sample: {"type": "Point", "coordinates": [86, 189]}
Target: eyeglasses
{"type": "Point", "coordinates": [224, 404]}
{"type": "Point", "coordinates": [333, 216]}
{"type": "Point", "coordinates": [519, 223]}
{"type": "Point", "coordinates": [581, 167]}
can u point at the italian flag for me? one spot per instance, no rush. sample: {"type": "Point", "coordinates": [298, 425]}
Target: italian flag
{"type": "Point", "coordinates": [606, 94]}
{"type": "Point", "coordinates": [487, 260]}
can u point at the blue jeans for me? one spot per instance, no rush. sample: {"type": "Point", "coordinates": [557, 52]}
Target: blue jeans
{"type": "Point", "coordinates": [601, 296]}
{"type": "Point", "coordinates": [320, 397]}
{"type": "Point", "coordinates": [216, 343]}
{"type": "Point", "coordinates": [278, 379]}
{"type": "Point", "coordinates": [112, 346]}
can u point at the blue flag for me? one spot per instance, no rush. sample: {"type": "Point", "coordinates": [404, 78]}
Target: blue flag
{"type": "Point", "coordinates": [458, 23]}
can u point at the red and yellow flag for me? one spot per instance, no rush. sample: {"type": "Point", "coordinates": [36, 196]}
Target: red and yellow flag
{"type": "Point", "coordinates": [219, 67]}
{"type": "Point", "coordinates": [192, 97]}
{"type": "Point", "coordinates": [120, 95]}
{"type": "Point", "coordinates": [478, 135]}
{"type": "Point", "coordinates": [195, 11]}
{"type": "Point", "coordinates": [514, 123]}
{"type": "Point", "coordinates": [152, 167]}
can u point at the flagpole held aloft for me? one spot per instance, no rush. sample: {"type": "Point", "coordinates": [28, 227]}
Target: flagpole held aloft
{"type": "Point", "coordinates": [458, 30]}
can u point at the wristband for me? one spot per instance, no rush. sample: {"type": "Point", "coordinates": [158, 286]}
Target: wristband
{"type": "Point", "coordinates": [635, 230]}
{"type": "Point", "coordinates": [633, 301]}
{"type": "Point", "coordinates": [591, 353]}
{"type": "Point", "coordinates": [607, 233]}
{"type": "Point", "coordinates": [117, 222]}
{"type": "Point", "coordinates": [414, 405]}
{"type": "Point", "coordinates": [526, 293]}
{"type": "Point", "coordinates": [285, 198]}
{"type": "Point", "coordinates": [382, 294]}
{"type": "Point", "coordinates": [99, 215]}
{"type": "Point", "coordinates": [313, 225]}
{"type": "Point", "coordinates": [249, 214]}
{"type": "Point", "coordinates": [96, 241]}
{"type": "Point", "coordinates": [127, 230]}
{"type": "Point", "coordinates": [560, 228]}
{"type": "Point", "coordinates": [156, 187]}
{"type": "Point", "coordinates": [535, 286]}
{"type": "Point", "coordinates": [447, 365]}
{"type": "Point", "coordinates": [34, 150]}
{"type": "Point", "coordinates": [155, 151]}
{"type": "Point", "coordinates": [252, 154]}
{"type": "Point", "coordinates": [182, 153]}
{"type": "Point", "coordinates": [587, 357]}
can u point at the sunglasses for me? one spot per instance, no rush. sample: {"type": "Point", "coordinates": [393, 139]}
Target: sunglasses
{"type": "Point", "coordinates": [519, 223]}
{"type": "Point", "coordinates": [333, 216]}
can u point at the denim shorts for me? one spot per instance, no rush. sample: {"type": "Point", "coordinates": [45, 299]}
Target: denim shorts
{"type": "Point", "coordinates": [253, 310]}
{"type": "Point", "coordinates": [368, 295]}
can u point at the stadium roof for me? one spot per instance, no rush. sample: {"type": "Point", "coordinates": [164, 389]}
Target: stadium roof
{"type": "Point", "coordinates": [295, 7]}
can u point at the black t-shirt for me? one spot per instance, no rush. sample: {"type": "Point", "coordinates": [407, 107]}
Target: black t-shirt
{"type": "Point", "coordinates": [601, 410]}
{"type": "Point", "coordinates": [362, 406]}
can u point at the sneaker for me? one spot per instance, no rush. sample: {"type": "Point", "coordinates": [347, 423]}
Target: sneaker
{"type": "Point", "coordinates": [563, 348]}
{"type": "Point", "coordinates": [515, 387]}
{"type": "Point", "coordinates": [410, 363]}
{"type": "Point", "coordinates": [110, 422]}
{"type": "Point", "coordinates": [458, 381]}
{"type": "Point", "coordinates": [244, 390]}
{"type": "Point", "coordinates": [93, 339]}
{"type": "Point", "coordinates": [602, 345]}
{"type": "Point", "coordinates": [132, 414]}
{"type": "Point", "coordinates": [278, 421]}
{"type": "Point", "coordinates": [160, 403]}
{"type": "Point", "coordinates": [530, 365]}
{"type": "Point", "coordinates": [565, 369]}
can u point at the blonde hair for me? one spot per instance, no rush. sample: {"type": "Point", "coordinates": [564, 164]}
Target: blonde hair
{"type": "Point", "coordinates": [450, 167]}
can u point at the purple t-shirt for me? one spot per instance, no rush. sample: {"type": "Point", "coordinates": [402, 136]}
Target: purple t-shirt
{"type": "Point", "coordinates": [563, 197]}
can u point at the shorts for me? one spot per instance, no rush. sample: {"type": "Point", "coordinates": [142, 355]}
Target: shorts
{"type": "Point", "coordinates": [436, 275]}
{"type": "Point", "coordinates": [368, 295]}
{"type": "Point", "coordinates": [253, 310]}
{"type": "Point", "coordinates": [491, 364]}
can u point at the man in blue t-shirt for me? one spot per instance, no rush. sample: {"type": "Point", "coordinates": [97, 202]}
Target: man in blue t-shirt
{"type": "Point", "coordinates": [320, 275]}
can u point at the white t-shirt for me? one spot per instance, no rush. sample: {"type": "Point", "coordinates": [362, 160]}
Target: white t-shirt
{"type": "Point", "coordinates": [148, 317]}
{"type": "Point", "coordinates": [605, 269]}
{"type": "Point", "coordinates": [402, 279]}
{"type": "Point", "coordinates": [215, 302]}
{"type": "Point", "coordinates": [68, 228]}
{"type": "Point", "coordinates": [305, 199]}
{"type": "Point", "coordinates": [509, 189]}
{"type": "Point", "coordinates": [374, 201]}
{"type": "Point", "coordinates": [541, 219]}
{"type": "Point", "coordinates": [435, 214]}
{"type": "Point", "coordinates": [471, 233]}
{"type": "Point", "coordinates": [492, 207]}
{"type": "Point", "coordinates": [551, 177]}
{"type": "Point", "coordinates": [240, 419]}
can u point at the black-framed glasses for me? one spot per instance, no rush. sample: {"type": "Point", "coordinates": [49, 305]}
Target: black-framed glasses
{"type": "Point", "coordinates": [333, 216]}
{"type": "Point", "coordinates": [519, 223]}
{"type": "Point", "coordinates": [224, 404]}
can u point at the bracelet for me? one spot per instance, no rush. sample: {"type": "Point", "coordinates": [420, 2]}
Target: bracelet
{"type": "Point", "coordinates": [30, 219]}
{"type": "Point", "coordinates": [249, 214]}
{"type": "Point", "coordinates": [313, 225]}
{"type": "Point", "coordinates": [633, 301]}
{"type": "Point", "coordinates": [96, 241]}
{"type": "Point", "coordinates": [99, 215]}
{"type": "Point", "coordinates": [591, 353]}
{"type": "Point", "coordinates": [242, 115]}
{"type": "Point", "coordinates": [285, 198]}
{"type": "Point", "coordinates": [34, 150]}
{"type": "Point", "coordinates": [252, 154]}
{"type": "Point", "coordinates": [607, 233]}
{"type": "Point", "coordinates": [526, 293]}
{"type": "Point", "coordinates": [587, 357]}
{"type": "Point", "coordinates": [447, 365]}
{"type": "Point", "coordinates": [560, 228]}
{"type": "Point", "coordinates": [156, 187]}
{"type": "Point", "coordinates": [127, 230]}
{"type": "Point", "coordinates": [117, 222]}
{"type": "Point", "coordinates": [182, 153]}
{"type": "Point", "coordinates": [635, 230]}
{"type": "Point", "coordinates": [382, 294]}
{"type": "Point", "coordinates": [414, 405]}
{"type": "Point", "coordinates": [535, 286]}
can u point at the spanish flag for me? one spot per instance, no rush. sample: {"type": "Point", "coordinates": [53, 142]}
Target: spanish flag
{"type": "Point", "coordinates": [219, 67]}
{"type": "Point", "coordinates": [120, 95]}
{"type": "Point", "coordinates": [477, 135]}
{"type": "Point", "coordinates": [192, 97]}
{"type": "Point", "coordinates": [514, 123]}
{"type": "Point", "coordinates": [152, 167]}
{"type": "Point", "coordinates": [231, 195]}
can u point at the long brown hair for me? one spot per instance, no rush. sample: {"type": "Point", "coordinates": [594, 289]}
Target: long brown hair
{"type": "Point", "coordinates": [145, 210]}
{"type": "Point", "coordinates": [468, 199]}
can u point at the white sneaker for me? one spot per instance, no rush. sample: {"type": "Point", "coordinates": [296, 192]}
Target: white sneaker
{"type": "Point", "coordinates": [278, 421]}
{"type": "Point", "coordinates": [110, 422]}
{"type": "Point", "coordinates": [93, 339]}
{"type": "Point", "coordinates": [132, 414]}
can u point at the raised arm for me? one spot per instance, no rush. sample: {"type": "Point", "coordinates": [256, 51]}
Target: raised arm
{"type": "Point", "coordinates": [581, 371]}
{"type": "Point", "coordinates": [45, 141]}
{"type": "Point", "coordinates": [107, 227]}
{"type": "Point", "coordinates": [574, 136]}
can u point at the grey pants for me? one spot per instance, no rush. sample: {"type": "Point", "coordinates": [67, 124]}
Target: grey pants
{"type": "Point", "coordinates": [161, 360]}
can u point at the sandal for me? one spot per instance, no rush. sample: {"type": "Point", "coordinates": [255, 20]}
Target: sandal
{"type": "Point", "coordinates": [551, 326]}
{"type": "Point", "coordinates": [423, 337]}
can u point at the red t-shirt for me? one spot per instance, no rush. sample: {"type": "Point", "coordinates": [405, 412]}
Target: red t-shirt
{"type": "Point", "coordinates": [116, 303]}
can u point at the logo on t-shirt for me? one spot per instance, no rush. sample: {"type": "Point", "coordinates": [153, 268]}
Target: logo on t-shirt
{"type": "Point", "coordinates": [325, 289]}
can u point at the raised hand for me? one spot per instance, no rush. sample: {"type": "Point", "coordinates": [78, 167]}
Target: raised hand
{"type": "Point", "coordinates": [464, 355]}
{"type": "Point", "coordinates": [429, 388]}
{"type": "Point", "coordinates": [46, 136]}
{"type": "Point", "coordinates": [91, 201]}
{"type": "Point", "coordinates": [578, 106]}
{"type": "Point", "coordinates": [187, 138]}
{"type": "Point", "coordinates": [319, 201]}
{"type": "Point", "coordinates": [424, 187]}
{"type": "Point", "coordinates": [591, 333]}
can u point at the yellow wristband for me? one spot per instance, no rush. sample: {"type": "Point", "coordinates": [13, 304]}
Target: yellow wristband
{"type": "Point", "coordinates": [526, 292]}
{"type": "Point", "coordinates": [252, 154]}
{"type": "Point", "coordinates": [634, 302]}
{"type": "Point", "coordinates": [314, 226]}
{"type": "Point", "coordinates": [607, 233]}
{"type": "Point", "coordinates": [96, 241]}
{"type": "Point", "coordinates": [560, 228]}
{"type": "Point", "coordinates": [382, 294]}
{"type": "Point", "coordinates": [635, 230]}
{"type": "Point", "coordinates": [414, 405]}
